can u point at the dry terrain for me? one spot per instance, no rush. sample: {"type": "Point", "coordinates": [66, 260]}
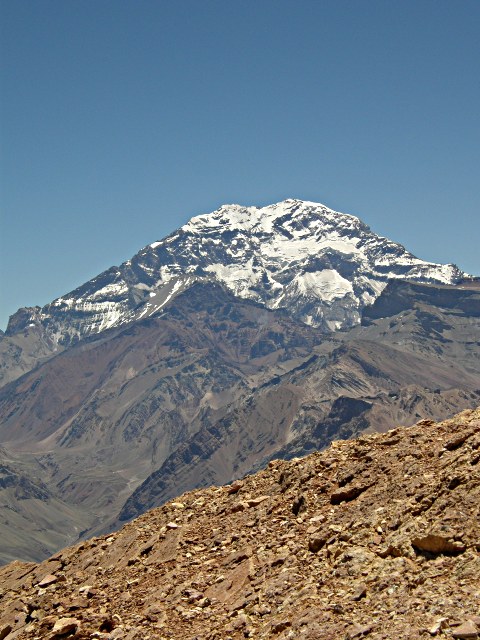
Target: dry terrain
{"type": "Point", "coordinates": [376, 537]}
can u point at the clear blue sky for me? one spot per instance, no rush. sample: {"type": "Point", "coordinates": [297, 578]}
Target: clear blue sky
{"type": "Point", "coordinates": [120, 119]}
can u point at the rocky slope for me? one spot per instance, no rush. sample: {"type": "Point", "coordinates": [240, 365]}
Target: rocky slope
{"type": "Point", "coordinates": [377, 537]}
{"type": "Point", "coordinates": [34, 519]}
{"type": "Point", "coordinates": [322, 266]}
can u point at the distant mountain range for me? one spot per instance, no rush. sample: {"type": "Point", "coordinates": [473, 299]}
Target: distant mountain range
{"type": "Point", "coordinates": [248, 334]}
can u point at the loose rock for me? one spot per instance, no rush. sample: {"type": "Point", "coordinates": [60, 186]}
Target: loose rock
{"type": "Point", "coordinates": [399, 559]}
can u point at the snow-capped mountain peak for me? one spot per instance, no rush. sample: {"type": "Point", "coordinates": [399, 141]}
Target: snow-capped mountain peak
{"type": "Point", "coordinates": [321, 265]}
{"type": "Point", "coordinates": [288, 213]}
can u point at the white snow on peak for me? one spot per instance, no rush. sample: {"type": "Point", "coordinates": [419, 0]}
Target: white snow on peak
{"type": "Point", "coordinates": [327, 284]}
{"type": "Point", "coordinates": [288, 222]}
{"type": "Point", "coordinates": [292, 252]}
{"type": "Point", "coordinates": [322, 265]}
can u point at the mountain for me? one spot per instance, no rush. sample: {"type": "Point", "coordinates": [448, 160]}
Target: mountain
{"type": "Point", "coordinates": [321, 265]}
{"type": "Point", "coordinates": [215, 387]}
{"type": "Point", "coordinates": [373, 537]}
{"type": "Point", "coordinates": [98, 418]}
{"type": "Point", "coordinates": [214, 351]}
{"type": "Point", "coordinates": [417, 356]}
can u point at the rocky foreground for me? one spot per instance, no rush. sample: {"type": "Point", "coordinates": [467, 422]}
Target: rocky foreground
{"type": "Point", "coordinates": [377, 537]}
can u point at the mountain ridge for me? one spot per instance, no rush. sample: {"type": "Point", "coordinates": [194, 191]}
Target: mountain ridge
{"type": "Point", "coordinates": [214, 386]}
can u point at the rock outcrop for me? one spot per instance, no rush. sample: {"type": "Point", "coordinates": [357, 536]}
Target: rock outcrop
{"type": "Point", "coordinates": [377, 537]}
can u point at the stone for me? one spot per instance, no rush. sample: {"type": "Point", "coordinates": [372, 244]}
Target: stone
{"type": "Point", "coordinates": [234, 487]}
{"type": "Point", "coordinates": [360, 592]}
{"type": "Point", "coordinates": [5, 630]}
{"type": "Point", "coordinates": [78, 603]}
{"type": "Point", "coordinates": [278, 627]}
{"type": "Point", "coordinates": [359, 631]}
{"type": "Point", "coordinates": [238, 556]}
{"type": "Point", "coordinates": [438, 544]}
{"type": "Point", "coordinates": [466, 631]}
{"type": "Point", "coordinates": [254, 502]}
{"type": "Point", "coordinates": [439, 624]}
{"type": "Point", "coordinates": [47, 622]}
{"type": "Point", "coordinates": [63, 626]}
{"type": "Point", "coordinates": [317, 541]}
{"type": "Point", "coordinates": [239, 506]}
{"type": "Point", "coordinates": [348, 493]}
{"type": "Point", "coordinates": [47, 580]}
{"type": "Point", "coordinates": [193, 595]}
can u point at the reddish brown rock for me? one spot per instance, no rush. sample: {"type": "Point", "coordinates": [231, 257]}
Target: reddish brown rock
{"type": "Point", "coordinates": [64, 626]}
{"type": "Point", "coordinates": [467, 630]}
{"type": "Point", "coordinates": [235, 487]}
{"type": "Point", "coordinates": [318, 540]}
{"type": "Point", "coordinates": [5, 630]}
{"type": "Point", "coordinates": [254, 502]}
{"type": "Point", "coordinates": [47, 580]}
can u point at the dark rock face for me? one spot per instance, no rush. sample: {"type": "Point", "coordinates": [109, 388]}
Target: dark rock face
{"type": "Point", "coordinates": [23, 486]}
{"type": "Point", "coordinates": [400, 296]}
{"type": "Point", "coordinates": [374, 537]}
{"type": "Point", "coordinates": [22, 319]}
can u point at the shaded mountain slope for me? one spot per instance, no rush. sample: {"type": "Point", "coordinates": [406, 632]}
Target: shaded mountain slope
{"type": "Point", "coordinates": [33, 519]}
{"type": "Point", "coordinates": [23, 351]}
{"type": "Point", "coordinates": [362, 386]}
{"type": "Point", "coordinates": [422, 361]}
{"type": "Point", "coordinates": [374, 537]}
{"type": "Point", "coordinates": [95, 420]}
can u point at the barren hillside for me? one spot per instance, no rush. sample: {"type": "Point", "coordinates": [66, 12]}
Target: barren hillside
{"type": "Point", "coordinates": [376, 537]}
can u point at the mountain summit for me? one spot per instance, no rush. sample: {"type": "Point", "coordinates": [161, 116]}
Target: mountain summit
{"type": "Point", "coordinates": [321, 265]}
